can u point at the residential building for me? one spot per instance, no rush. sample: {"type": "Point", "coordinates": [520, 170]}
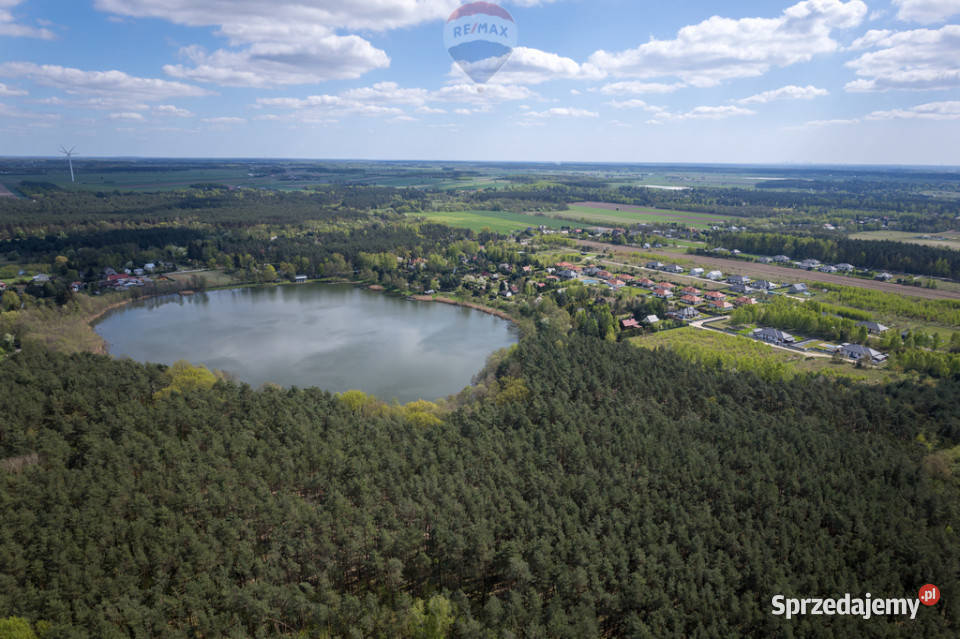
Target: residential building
{"type": "Point", "coordinates": [874, 327]}
{"type": "Point", "coordinates": [721, 305]}
{"type": "Point", "coordinates": [883, 277]}
{"type": "Point", "coordinates": [714, 275]}
{"type": "Point", "coordinates": [696, 272]}
{"type": "Point", "coordinates": [773, 336]}
{"type": "Point", "coordinates": [686, 313]}
{"type": "Point", "coordinates": [859, 352]}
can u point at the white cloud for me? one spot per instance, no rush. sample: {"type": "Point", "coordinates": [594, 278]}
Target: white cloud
{"type": "Point", "coordinates": [948, 110]}
{"type": "Point", "coordinates": [11, 91]}
{"type": "Point", "coordinates": [635, 103]}
{"type": "Point", "coordinates": [533, 66]}
{"type": "Point", "coordinates": [488, 93]}
{"type": "Point", "coordinates": [790, 92]}
{"type": "Point", "coordinates": [301, 59]}
{"type": "Point", "coordinates": [921, 59]}
{"type": "Point", "coordinates": [836, 122]}
{"type": "Point", "coordinates": [113, 85]}
{"type": "Point", "coordinates": [131, 116]}
{"type": "Point", "coordinates": [387, 92]}
{"type": "Point", "coordinates": [224, 120]}
{"type": "Point", "coordinates": [169, 109]}
{"type": "Point", "coordinates": [284, 41]}
{"type": "Point", "coordinates": [719, 49]}
{"type": "Point", "coordinates": [704, 113]}
{"type": "Point", "coordinates": [251, 15]}
{"type": "Point", "coordinates": [567, 112]}
{"type": "Point", "coordinates": [10, 27]}
{"type": "Point", "coordinates": [390, 99]}
{"type": "Point", "coordinates": [926, 11]}
{"type": "Point", "coordinates": [638, 88]}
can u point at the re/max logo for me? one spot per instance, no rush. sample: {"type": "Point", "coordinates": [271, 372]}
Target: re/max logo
{"type": "Point", "coordinates": [480, 27]}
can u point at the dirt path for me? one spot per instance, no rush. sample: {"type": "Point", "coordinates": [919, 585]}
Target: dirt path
{"type": "Point", "coordinates": [782, 273]}
{"type": "Point", "coordinates": [5, 192]}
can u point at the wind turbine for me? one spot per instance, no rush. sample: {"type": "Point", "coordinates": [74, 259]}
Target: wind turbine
{"type": "Point", "coordinates": [69, 155]}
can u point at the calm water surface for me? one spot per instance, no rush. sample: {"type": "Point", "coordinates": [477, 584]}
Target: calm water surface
{"type": "Point", "coordinates": [336, 337]}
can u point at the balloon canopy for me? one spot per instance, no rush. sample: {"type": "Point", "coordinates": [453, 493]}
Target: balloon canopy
{"type": "Point", "coordinates": [480, 37]}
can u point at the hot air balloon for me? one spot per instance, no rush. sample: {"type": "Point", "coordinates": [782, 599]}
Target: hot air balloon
{"type": "Point", "coordinates": [480, 37]}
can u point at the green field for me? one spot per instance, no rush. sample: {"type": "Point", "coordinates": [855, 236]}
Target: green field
{"type": "Point", "coordinates": [741, 353]}
{"type": "Point", "coordinates": [635, 214]}
{"type": "Point", "coordinates": [499, 221]}
{"type": "Point", "coordinates": [950, 239]}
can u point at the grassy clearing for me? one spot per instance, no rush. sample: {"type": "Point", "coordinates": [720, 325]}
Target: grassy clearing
{"type": "Point", "coordinates": [499, 221]}
{"type": "Point", "coordinates": [739, 353]}
{"type": "Point", "coordinates": [633, 215]}
{"type": "Point", "coordinates": [951, 239]}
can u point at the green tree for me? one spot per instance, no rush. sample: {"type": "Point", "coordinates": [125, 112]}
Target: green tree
{"type": "Point", "coordinates": [10, 301]}
{"type": "Point", "coordinates": [431, 620]}
{"type": "Point", "coordinates": [16, 628]}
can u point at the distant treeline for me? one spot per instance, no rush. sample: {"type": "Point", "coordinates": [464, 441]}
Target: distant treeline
{"type": "Point", "coordinates": [50, 205]}
{"type": "Point", "coordinates": [886, 255]}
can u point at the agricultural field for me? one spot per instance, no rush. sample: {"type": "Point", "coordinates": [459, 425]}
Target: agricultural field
{"type": "Point", "coordinates": [741, 353]}
{"type": "Point", "coordinates": [779, 273]}
{"type": "Point", "coordinates": [945, 239]}
{"type": "Point", "coordinates": [618, 214]}
{"type": "Point", "coordinates": [499, 221]}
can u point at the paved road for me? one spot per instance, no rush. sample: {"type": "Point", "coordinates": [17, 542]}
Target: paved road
{"type": "Point", "coordinates": [781, 273]}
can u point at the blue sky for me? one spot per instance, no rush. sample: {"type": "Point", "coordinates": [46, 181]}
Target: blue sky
{"type": "Point", "coordinates": [823, 81]}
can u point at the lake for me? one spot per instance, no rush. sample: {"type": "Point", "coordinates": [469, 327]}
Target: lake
{"type": "Point", "coordinates": [336, 337]}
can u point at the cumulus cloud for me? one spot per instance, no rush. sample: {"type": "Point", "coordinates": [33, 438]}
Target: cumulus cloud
{"type": "Point", "coordinates": [947, 110]}
{"type": "Point", "coordinates": [11, 91]}
{"type": "Point", "coordinates": [789, 92]}
{"type": "Point", "coordinates": [926, 11]}
{"type": "Point", "coordinates": [169, 109]}
{"type": "Point", "coordinates": [298, 60]}
{"type": "Point", "coordinates": [285, 41]}
{"type": "Point", "coordinates": [835, 122]}
{"type": "Point", "coordinates": [639, 88]}
{"type": "Point", "coordinates": [390, 99]}
{"type": "Point", "coordinates": [702, 113]}
{"type": "Point", "coordinates": [565, 112]}
{"type": "Point", "coordinates": [224, 120]}
{"type": "Point", "coordinates": [635, 103]}
{"type": "Point", "coordinates": [920, 59]}
{"type": "Point", "coordinates": [376, 15]}
{"type": "Point", "coordinates": [113, 85]}
{"type": "Point", "coordinates": [128, 115]}
{"type": "Point", "coordinates": [719, 49]}
{"type": "Point", "coordinates": [533, 66]}
{"type": "Point", "coordinates": [10, 27]}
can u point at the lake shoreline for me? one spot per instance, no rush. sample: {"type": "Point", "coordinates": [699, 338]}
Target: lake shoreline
{"type": "Point", "coordinates": [473, 305]}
